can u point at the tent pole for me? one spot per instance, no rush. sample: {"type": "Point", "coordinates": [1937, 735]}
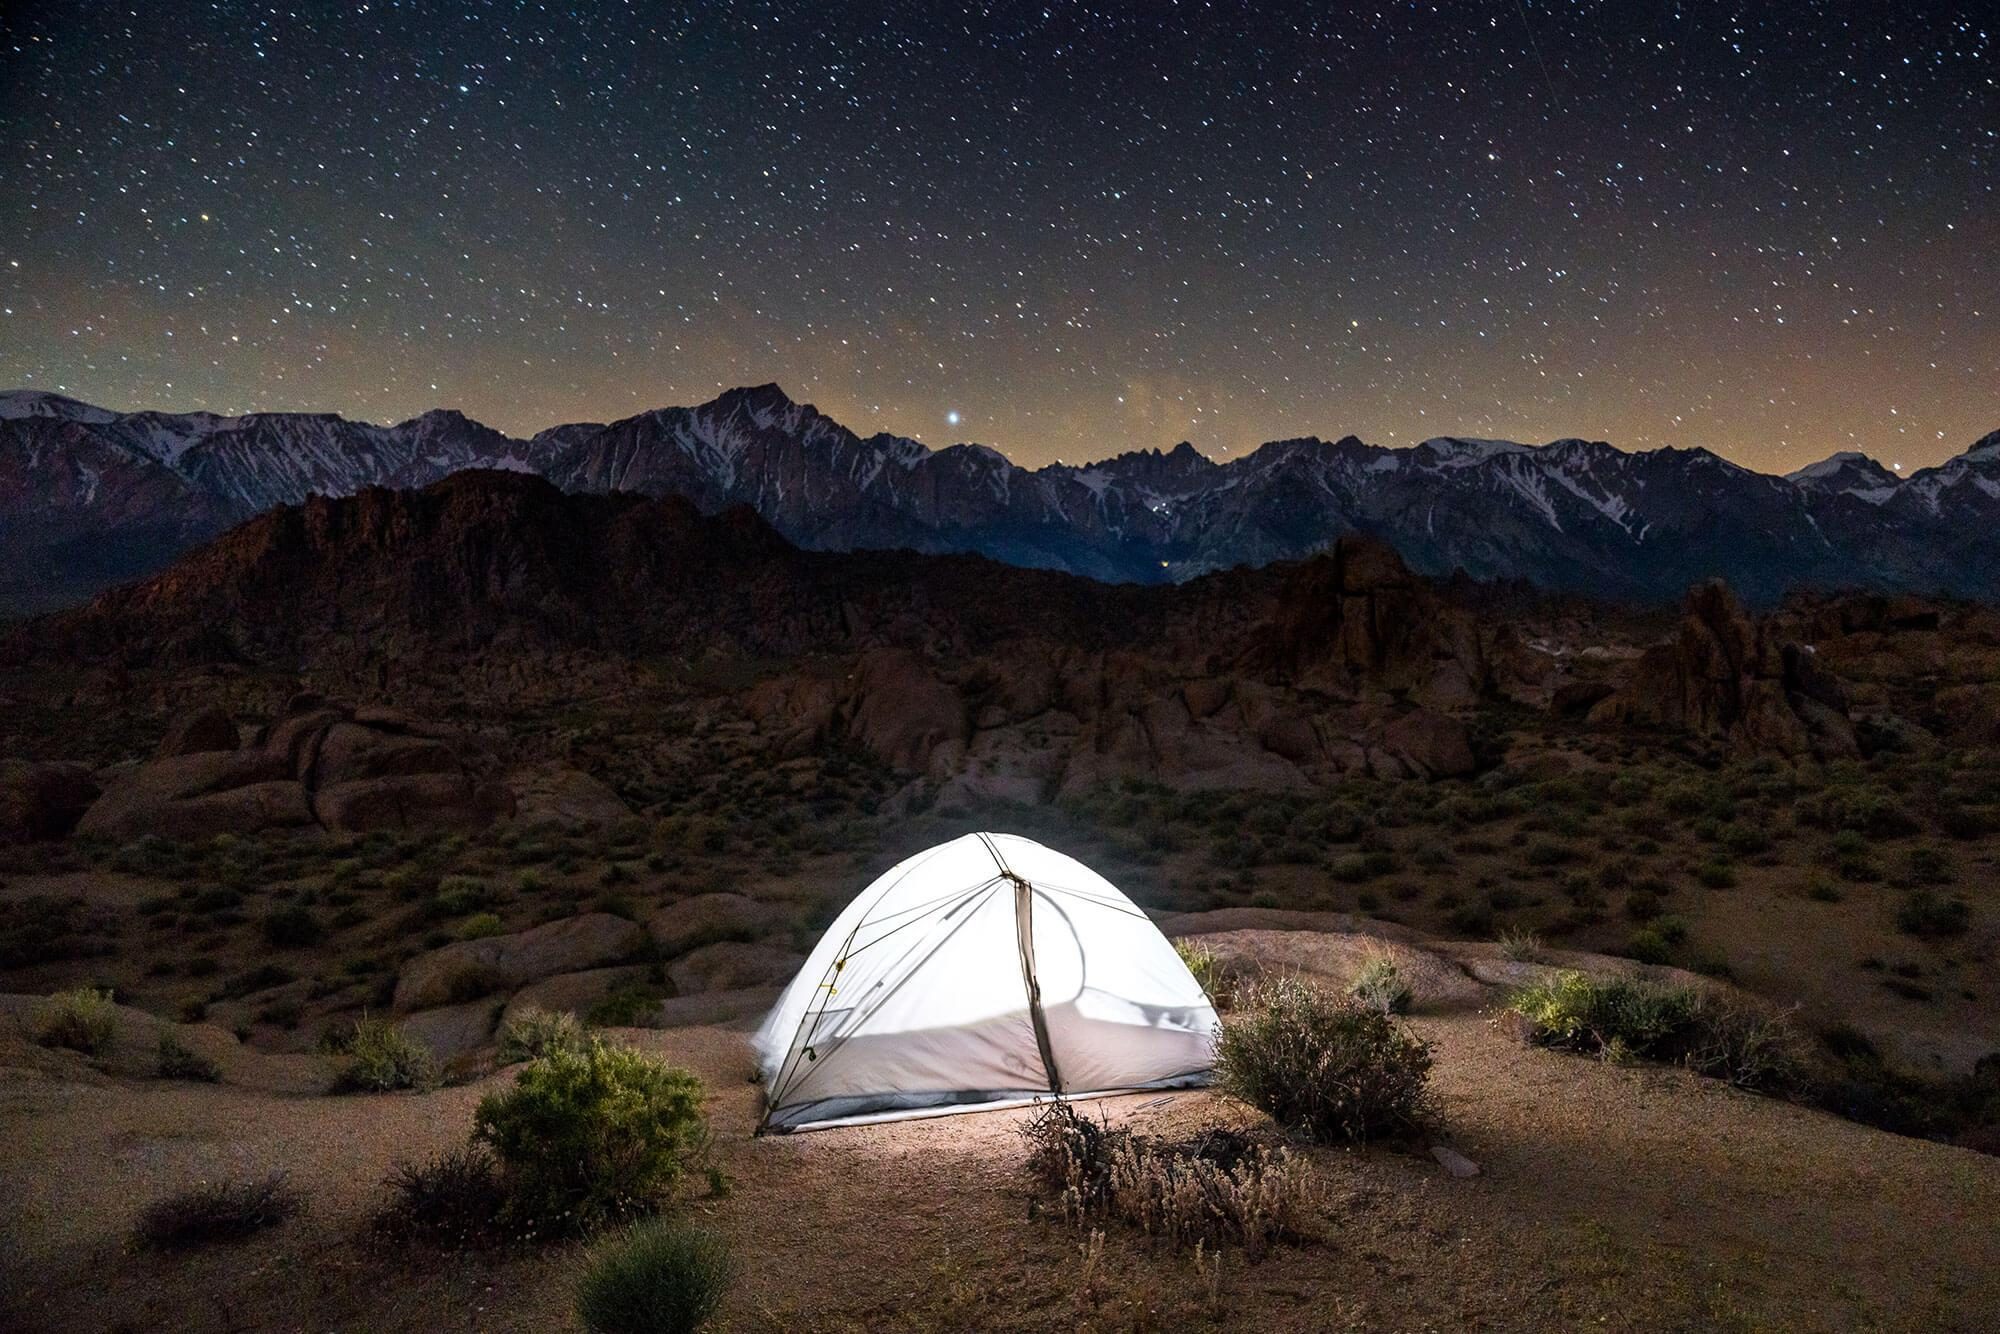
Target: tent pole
{"type": "Point", "coordinates": [1024, 936]}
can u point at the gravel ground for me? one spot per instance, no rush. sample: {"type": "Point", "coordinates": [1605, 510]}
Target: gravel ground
{"type": "Point", "coordinates": [1617, 1198]}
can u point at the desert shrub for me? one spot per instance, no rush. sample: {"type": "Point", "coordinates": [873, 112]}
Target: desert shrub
{"type": "Point", "coordinates": [1743, 840]}
{"type": "Point", "coordinates": [1963, 1109]}
{"type": "Point", "coordinates": [81, 1020]}
{"type": "Point", "coordinates": [381, 1057]}
{"type": "Point", "coordinates": [479, 926]}
{"type": "Point", "coordinates": [1927, 913]}
{"type": "Point", "coordinates": [1547, 852]}
{"type": "Point", "coordinates": [451, 1200]}
{"type": "Point", "coordinates": [45, 928]}
{"type": "Point", "coordinates": [1380, 985]}
{"type": "Point", "coordinates": [657, 1276]}
{"type": "Point", "coordinates": [1577, 1011]}
{"type": "Point", "coordinates": [1472, 919]}
{"type": "Point", "coordinates": [261, 978]}
{"type": "Point", "coordinates": [1715, 873]}
{"type": "Point", "coordinates": [1219, 1187]}
{"type": "Point", "coordinates": [626, 1005]}
{"type": "Point", "coordinates": [534, 1033]}
{"type": "Point", "coordinates": [1326, 1065]}
{"type": "Point", "coordinates": [1519, 944]}
{"type": "Point", "coordinates": [1648, 945]}
{"type": "Point", "coordinates": [470, 981]}
{"type": "Point", "coordinates": [292, 928]}
{"type": "Point", "coordinates": [213, 900]}
{"type": "Point", "coordinates": [591, 1134]}
{"type": "Point", "coordinates": [1963, 822]}
{"type": "Point", "coordinates": [1217, 976]}
{"type": "Point", "coordinates": [458, 895]}
{"type": "Point", "coordinates": [1930, 865]}
{"type": "Point", "coordinates": [1861, 810]}
{"type": "Point", "coordinates": [1822, 890]}
{"type": "Point", "coordinates": [1712, 1035]}
{"type": "Point", "coordinates": [216, 1211]}
{"type": "Point", "coordinates": [177, 1061]}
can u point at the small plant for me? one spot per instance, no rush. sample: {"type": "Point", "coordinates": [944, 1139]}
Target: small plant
{"type": "Point", "coordinates": [534, 1033]}
{"type": "Point", "coordinates": [1715, 873]}
{"type": "Point", "coordinates": [658, 1276]}
{"type": "Point", "coordinates": [458, 895]}
{"type": "Point", "coordinates": [1858, 810]}
{"type": "Point", "coordinates": [1925, 912]}
{"type": "Point", "coordinates": [1218, 1187]}
{"type": "Point", "coordinates": [381, 1057]}
{"type": "Point", "coordinates": [479, 926]}
{"type": "Point", "coordinates": [218, 1211]}
{"type": "Point", "coordinates": [1519, 945]}
{"type": "Point", "coordinates": [1380, 984]}
{"type": "Point", "coordinates": [452, 1200]}
{"type": "Point", "coordinates": [625, 1006]}
{"type": "Point", "coordinates": [177, 1061]}
{"type": "Point", "coordinates": [1211, 971]}
{"type": "Point", "coordinates": [1325, 1065]}
{"type": "Point", "coordinates": [592, 1134]}
{"type": "Point", "coordinates": [1744, 1044]}
{"type": "Point", "coordinates": [292, 928]}
{"type": "Point", "coordinates": [1930, 865]}
{"type": "Point", "coordinates": [81, 1020]}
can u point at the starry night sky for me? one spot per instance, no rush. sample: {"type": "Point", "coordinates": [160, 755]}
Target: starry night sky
{"type": "Point", "coordinates": [1770, 229]}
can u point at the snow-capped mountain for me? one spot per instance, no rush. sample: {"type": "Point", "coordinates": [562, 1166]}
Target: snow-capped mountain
{"type": "Point", "coordinates": [89, 496]}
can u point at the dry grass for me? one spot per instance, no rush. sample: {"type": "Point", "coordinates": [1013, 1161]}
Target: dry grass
{"type": "Point", "coordinates": [1220, 1188]}
{"type": "Point", "coordinates": [217, 1211]}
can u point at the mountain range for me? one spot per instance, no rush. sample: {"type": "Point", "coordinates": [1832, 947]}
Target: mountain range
{"type": "Point", "coordinates": [91, 497]}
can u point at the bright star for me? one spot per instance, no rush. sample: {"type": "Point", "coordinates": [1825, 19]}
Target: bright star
{"type": "Point", "coordinates": [951, 418]}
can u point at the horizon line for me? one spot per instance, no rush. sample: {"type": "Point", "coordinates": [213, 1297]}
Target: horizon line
{"type": "Point", "coordinates": [1896, 469]}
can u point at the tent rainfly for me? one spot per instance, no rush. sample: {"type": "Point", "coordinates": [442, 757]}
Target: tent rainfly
{"type": "Point", "coordinates": [987, 971]}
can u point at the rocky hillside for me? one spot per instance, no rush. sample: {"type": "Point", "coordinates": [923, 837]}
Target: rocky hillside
{"type": "Point", "coordinates": [989, 680]}
{"type": "Point", "coordinates": [92, 497]}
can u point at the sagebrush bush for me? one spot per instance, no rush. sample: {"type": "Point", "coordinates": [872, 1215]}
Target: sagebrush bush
{"type": "Point", "coordinates": [1325, 1065]}
{"type": "Point", "coordinates": [1219, 1187]}
{"type": "Point", "coordinates": [216, 1211]}
{"type": "Point", "coordinates": [81, 1020]}
{"type": "Point", "coordinates": [1380, 985]}
{"type": "Point", "coordinates": [628, 1005]}
{"type": "Point", "coordinates": [1861, 810]}
{"type": "Point", "coordinates": [1214, 974]}
{"type": "Point", "coordinates": [1707, 1032]}
{"type": "Point", "coordinates": [479, 926]}
{"type": "Point", "coordinates": [292, 928]}
{"type": "Point", "coordinates": [657, 1276]}
{"type": "Point", "coordinates": [178, 1061]}
{"type": "Point", "coordinates": [592, 1134]}
{"type": "Point", "coordinates": [535, 1033]}
{"type": "Point", "coordinates": [452, 1200]}
{"type": "Point", "coordinates": [381, 1057]}
{"type": "Point", "coordinates": [1926, 912]}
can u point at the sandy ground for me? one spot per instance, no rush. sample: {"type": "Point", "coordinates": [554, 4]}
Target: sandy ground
{"type": "Point", "coordinates": [1616, 1198]}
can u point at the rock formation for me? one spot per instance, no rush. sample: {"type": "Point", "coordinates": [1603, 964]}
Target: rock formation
{"type": "Point", "coordinates": [1727, 676]}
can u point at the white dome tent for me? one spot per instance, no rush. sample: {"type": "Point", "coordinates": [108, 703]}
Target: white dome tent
{"type": "Point", "coordinates": [984, 972]}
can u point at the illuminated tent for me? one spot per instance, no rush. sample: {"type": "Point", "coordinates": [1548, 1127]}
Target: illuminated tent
{"type": "Point", "coordinates": [989, 970]}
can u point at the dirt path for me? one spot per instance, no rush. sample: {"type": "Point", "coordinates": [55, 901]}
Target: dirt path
{"type": "Point", "coordinates": [1610, 1198]}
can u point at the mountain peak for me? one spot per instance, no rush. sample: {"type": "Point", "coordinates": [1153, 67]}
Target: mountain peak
{"type": "Point", "coordinates": [756, 399]}
{"type": "Point", "coordinates": [19, 403]}
{"type": "Point", "coordinates": [1849, 472]}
